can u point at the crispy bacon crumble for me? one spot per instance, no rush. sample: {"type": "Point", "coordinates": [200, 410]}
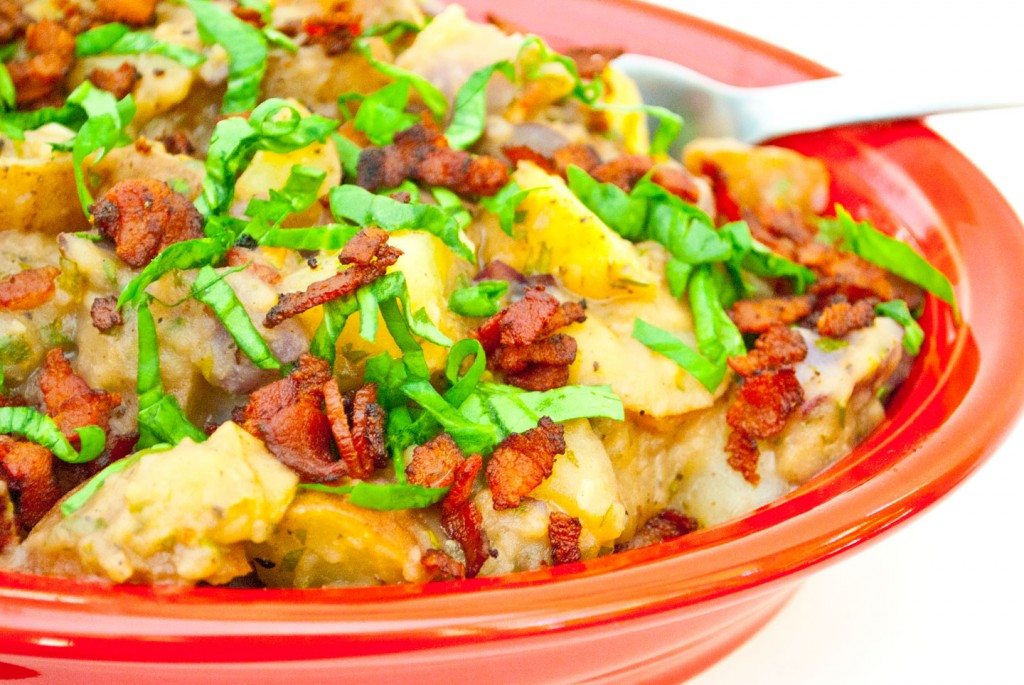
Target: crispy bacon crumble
{"type": "Point", "coordinates": [522, 461]}
{"type": "Point", "coordinates": [28, 289]}
{"type": "Point", "coordinates": [441, 567]}
{"type": "Point", "coordinates": [434, 464]}
{"type": "Point", "coordinates": [564, 536]}
{"type": "Point", "coordinates": [461, 519]}
{"type": "Point", "coordinates": [668, 524]}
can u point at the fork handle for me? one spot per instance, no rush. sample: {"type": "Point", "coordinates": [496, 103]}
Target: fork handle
{"type": "Point", "coordinates": [852, 99]}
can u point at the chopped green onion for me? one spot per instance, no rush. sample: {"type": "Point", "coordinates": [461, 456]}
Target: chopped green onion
{"type": "Point", "coordinates": [247, 53]}
{"type": "Point", "coordinates": [382, 115]}
{"type": "Point", "coordinates": [161, 419]}
{"type": "Point", "coordinates": [431, 95]}
{"type": "Point", "coordinates": [505, 204]}
{"type": "Point", "coordinates": [470, 436]}
{"type": "Point", "coordinates": [870, 244]}
{"type": "Point", "coordinates": [480, 299]}
{"type": "Point", "coordinates": [913, 334]}
{"type": "Point", "coordinates": [363, 208]}
{"type": "Point", "coordinates": [668, 345]}
{"type": "Point", "coordinates": [469, 116]}
{"type": "Point", "coordinates": [42, 430]}
{"type": "Point", "coordinates": [211, 289]}
{"type": "Point", "coordinates": [383, 496]}
{"type": "Point", "coordinates": [118, 39]}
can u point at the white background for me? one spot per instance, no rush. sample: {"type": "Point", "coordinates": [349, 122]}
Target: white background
{"type": "Point", "coordinates": [941, 600]}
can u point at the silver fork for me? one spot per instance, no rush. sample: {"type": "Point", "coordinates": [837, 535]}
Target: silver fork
{"type": "Point", "coordinates": [714, 109]}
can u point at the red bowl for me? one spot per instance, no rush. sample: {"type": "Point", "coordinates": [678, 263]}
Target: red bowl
{"type": "Point", "coordinates": [660, 613]}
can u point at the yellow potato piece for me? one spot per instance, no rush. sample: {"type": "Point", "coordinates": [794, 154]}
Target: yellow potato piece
{"type": "Point", "coordinates": [582, 484]}
{"type": "Point", "coordinates": [763, 176]}
{"type": "Point", "coordinates": [178, 516]}
{"type": "Point", "coordinates": [627, 124]}
{"type": "Point", "coordinates": [37, 185]}
{"type": "Point", "coordinates": [325, 541]}
{"type": "Point", "coordinates": [560, 236]}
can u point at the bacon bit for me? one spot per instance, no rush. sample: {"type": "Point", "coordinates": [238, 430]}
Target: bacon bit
{"type": "Point", "coordinates": [433, 464]}
{"type": "Point", "coordinates": [524, 153]}
{"type": "Point", "coordinates": [522, 461]}
{"type": "Point", "coordinates": [134, 12]}
{"type": "Point", "coordinates": [118, 82]}
{"type": "Point", "coordinates": [362, 272]}
{"type": "Point", "coordinates": [849, 273]}
{"type": "Point", "coordinates": [37, 79]}
{"type": "Point", "coordinates": [743, 456]}
{"type": "Point", "coordinates": [678, 181]}
{"type": "Point", "coordinates": [779, 347]}
{"type": "Point", "coordinates": [666, 525]}
{"type": "Point", "coordinates": [765, 402]}
{"type": "Point", "coordinates": [439, 566]}
{"type": "Point", "coordinates": [576, 154]}
{"type": "Point", "coordinates": [13, 23]}
{"type": "Point", "coordinates": [357, 423]}
{"type": "Point", "coordinates": [143, 216]}
{"type": "Point", "coordinates": [178, 143]}
{"type": "Point", "coordinates": [558, 350]}
{"type": "Point", "coordinates": [422, 154]}
{"type": "Point", "coordinates": [70, 400]}
{"type": "Point", "coordinates": [238, 256]}
{"type": "Point", "coordinates": [28, 470]}
{"type": "Point", "coordinates": [592, 61]}
{"type": "Point", "coordinates": [286, 415]}
{"type": "Point", "coordinates": [105, 314]}
{"type": "Point", "coordinates": [28, 289]}
{"type": "Point", "coordinates": [624, 171]}
{"type": "Point", "coordinates": [249, 15]}
{"type": "Point", "coordinates": [520, 343]}
{"type": "Point", "coordinates": [842, 318]}
{"type": "Point", "coordinates": [461, 519]}
{"type": "Point", "coordinates": [759, 316]}
{"type": "Point", "coordinates": [564, 536]}
{"type": "Point", "coordinates": [334, 32]}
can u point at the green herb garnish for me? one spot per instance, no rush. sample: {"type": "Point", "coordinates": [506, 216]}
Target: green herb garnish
{"type": "Point", "coordinates": [913, 334]}
{"type": "Point", "coordinates": [480, 299]}
{"type": "Point", "coordinates": [247, 53]}
{"type": "Point", "coordinates": [42, 430]}
{"type": "Point", "coordinates": [469, 116]}
{"type": "Point", "coordinates": [211, 289]}
{"type": "Point", "coordinates": [118, 39]}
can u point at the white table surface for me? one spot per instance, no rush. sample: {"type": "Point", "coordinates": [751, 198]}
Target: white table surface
{"type": "Point", "coordinates": [939, 601]}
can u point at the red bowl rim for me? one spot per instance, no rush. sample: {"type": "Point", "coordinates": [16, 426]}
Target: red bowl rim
{"type": "Point", "coordinates": [927, 446]}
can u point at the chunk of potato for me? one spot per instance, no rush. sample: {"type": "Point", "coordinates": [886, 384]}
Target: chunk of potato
{"type": "Point", "coordinates": [180, 516]}
{"type": "Point", "coordinates": [582, 484]}
{"type": "Point", "coordinates": [325, 541]}
{"type": "Point", "coordinates": [37, 185]}
{"type": "Point", "coordinates": [625, 121]}
{"type": "Point", "coordinates": [560, 236]}
{"type": "Point", "coordinates": [763, 176]}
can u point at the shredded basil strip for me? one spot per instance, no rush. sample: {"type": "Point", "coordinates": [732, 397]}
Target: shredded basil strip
{"type": "Point", "coordinates": [668, 345]}
{"type": "Point", "coordinates": [188, 254]}
{"type": "Point", "coordinates": [383, 496]}
{"type": "Point", "coordinates": [329, 237]}
{"type": "Point", "coordinates": [78, 499]}
{"type": "Point", "coordinates": [300, 191]}
{"type": "Point", "coordinates": [470, 436]}
{"type": "Point", "coordinates": [431, 95]}
{"type": "Point", "coordinates": [505, 204]}
{"type": "Point", "coordinates": [118, 39]}
{"type": "Point", "coordinates": [870, 244]}
{"type": "Point", "coordinates": [247, 53]}
{"type": "Point", "coordinates": [335, 315]}
{"type": "Point", "coordinates": [8, 96]}
{"type": "Point", "coordinates": [452, 204]}
{"type": "Point", "coordinates": [469, 115]}
{"type": "Point", "coordinates": [480, 299]}
{"type": "Point", "coordinates": [102, 130]}
{"type": "Point", "coordinates": [622, 213]}
{"type": "Point", "coordinates": [759, 260]}
{"type": "Point", "coordinates": [161, 419]}
{"type": "Point", "coordinates": [348, 153]}
{"type": "Point", "coordinates": [39, 428]}
{"type": "Point", "coordinates": [913, 334]}
{"type": "Point", "coordinates": [391, 31]}
{"type": "Point", "coordinates": [211, 289]}
{"type": "Point", "coordinates": [275, 126]}
{"type": "Point", "coordinates": [363, 208]}
{"type": "Point", "coordinates": [382, 114]}
{"type": "Point", "coordinates": [518, 411]}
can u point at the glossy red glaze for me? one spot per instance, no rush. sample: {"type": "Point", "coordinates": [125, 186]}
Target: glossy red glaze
{"type": "Point", "coordinates": [655, 614]}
